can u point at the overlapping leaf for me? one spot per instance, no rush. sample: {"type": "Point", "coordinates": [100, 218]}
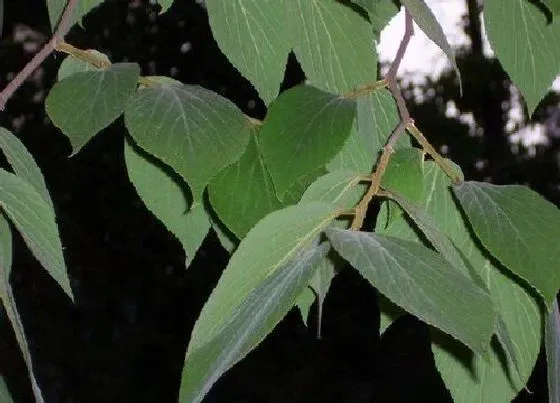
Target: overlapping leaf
{"type": "Point", "coordinates": [273, 242]}
{"type": "Point", "coordinates": [166, 195]}
{"type": "Point", "coordinates": [194, 131]}
{"type": "Point", "coordinates": [259, 312]}
{"type": "Point", "coordinates": [304, 129]}
{"type": "Point", "coordinates": [254, 36]}
{"type": "Point", "coordinates": [469, 377]}
{"type": "Point", "coordinates": [422, 282]}
{"type": "Point", "coordinates": [333, 43]}
{"type": "Point", "coordinates": [380, 13]}
{"type": "Point", "coordinates": [243, 193]}
{"type": "Point", "coordinates": [404, 173]}
{"type": "Point", "coordinates": [341, 188]}
{"type": "Point", "coordinates": [71, 65]}
{"type": "Point", "coordinates": [552, 344]}
{"type": "Point", "coordinates": [84, 103]}
{"type": "Point", "coordinates": [423, 16]}
{"type": "Point", "coordinates": [553, 6]}
{"type": "Point", "coordinates": [519, 227]}
{"type": "Point", "coordinates": [34, 218]}
{"type": "Point", "coordinates": [56, 7]}
{"type": "Point", "coordinates": [527, 46]}
{"type": "Point", "coordinates": [376, 118]}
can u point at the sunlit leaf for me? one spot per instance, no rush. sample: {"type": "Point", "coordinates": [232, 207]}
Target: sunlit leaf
{"type": "Point", "coordinates": [165, 194]}
{"type": "Point", "coordinates": [254, 37]}
{"type": "Point", "coordinates": [193, 130]}
{"type": "Point", "coordinates": [304, 129]}
{"type": "Point", "coordinates": [270, 244]}
{"type": "Point", "coordinates": [527, 46]}
{"type": "Point", "coordinates": [519, 227]}
{"type": "Point", "coordinates": [422, 282]}
{"type": "Point", "coordinates": [84, 103]}
{"type": "Point", "coordinates": [333, 43]}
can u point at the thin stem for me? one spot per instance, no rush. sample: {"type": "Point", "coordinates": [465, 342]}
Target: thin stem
{"type": "Point", "coordinates": [58, 36]}
{"type": "Point", "coordinates": [443, 163]}
{"type": "Point", "coordinates": [391, 80]}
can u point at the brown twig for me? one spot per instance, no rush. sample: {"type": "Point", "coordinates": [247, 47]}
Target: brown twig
{"type": "Point", "coordinates": [58, 36]}
{"type": "Point", "coordinates": [391, 79]}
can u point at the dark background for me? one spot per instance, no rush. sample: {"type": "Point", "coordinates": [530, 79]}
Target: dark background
{"type": "Point", "coordinates": [124, 340]}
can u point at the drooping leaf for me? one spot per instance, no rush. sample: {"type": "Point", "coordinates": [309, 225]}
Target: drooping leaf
{"type": "Point", "coordinates": [71, 65]}
{"type": "Point", "coordinates": [9, 303]}
{"type": "Point", "coordinates": [34, 218]}
{"type": "Point", "coordinates": [304, 129]}
{"type": "Point", "coordinates": [275, 240]}
{"type": "Point", "coordinates": [23, 164]}
{"type": "Point", "coordinates": [426, 20]}
{"type": "Point", "coordinates": [165, 194]}
{"type": "Point", "coordinates": [194, 131]}
{"type": "Point", "coordinates": [527, 46]}
{"type": "Point", "coordinates": [376, 118]}
{"type": "Point", "coordinates": [341, 188]}
{"type": "Point", "coordinates": [321, 283]}
{"type": "Point", "coordinates": [333, 43]}
{"type": "Point", "coordinates": [469, 377]}
{"type": "Point", "coordinates": [404, 173]}
{"type": "Point", "coordinates": [254, 37]}
{"type": "Point", "coordinates": [84, 103]}
{"type": "Point", "coordinates": [258, 313]}
{"type": "Point", "coordinates": [422, 282]}
{"type": "Point", "coordinates": [519, 227]}
{"type": "Point", "coordinates": [243, 193]}
{"type": "Point", "coordinates": [304, 302]}
{"type": "Point", "coordinates": [5, 396]}
{"type": "Point", "coordinates": [56, 7]}
{"type": "Point", "coordinates": [552, 344]}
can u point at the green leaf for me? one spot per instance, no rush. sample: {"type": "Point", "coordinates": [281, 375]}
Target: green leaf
{"type": "Point", "coordinates": [5, 396]}
{"type": "Point", "coordinates": [194, 131]}
{"type": "Point", "coordinates": [380, 13]}
{"type": "Point", "coordinates": [273, 242]}
{"type": "Point", "coordinates": [527, 46]}
{"type": "Point", "coordinates": [254, 37]}
{"type": "Point", "coordinates": [56, 7]}
{"type": "Point", "coordinates": [377, 116]}
{"type": "Point", "coordinates": [518, 227]}
{"type": "Point", "coordinates": [423, 16]}
{"type": "Point", "coordinates": [227, 240]}
{"type": "Point", "coordinates": [320, 283]}
{"type": "Point", "coordinates": [341, 188]}
{"type": "Point", "coordinates": [388, 312]}
{"type": "Point", "coordinates": [34, 218]}
{"type": "Point", "coordinates": [166, 195]}
{"type": "Point", "coordinates": [243, 193]}
{"type": "Point", "coordinates": [258, 313]}
{"type": "Point", "coordinates": [304, 302]}
{"type": "Point", "coordinates": [71, 65]}
{"type": "Point", "coordinates": [83, 104]}
{"type": "Point", "coordinates": [404, 173]}
{"type": "Point", "coordinates": [422, 282]}
{"type": "Point", "coordinates": [304, 129]}
{"type": "Point", "coordinates": [333, 43]}
{"type": "Point", "coordinates": [554, 7]}
{"type": "Point", "coordinates": [552, 344]}
{"type": "Point", "coordinates": [300, 185]}
{"type": "Point", "coordinates": [165, 4]}
{"type": "Point", "coordinates": [23, 163]}
{"type": "Point", "coordinates": [9, 302]}
{"type": "Point", "coordinates": [469, 377]}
